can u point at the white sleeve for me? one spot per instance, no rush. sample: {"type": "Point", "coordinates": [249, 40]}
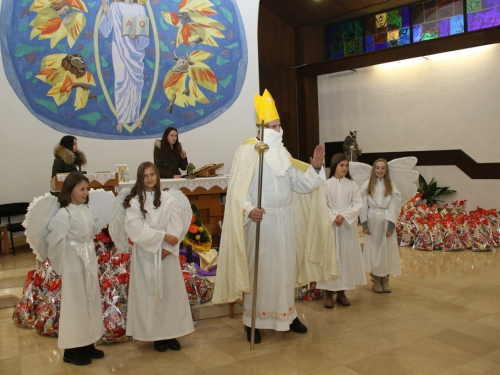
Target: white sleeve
{"type": "Point", "coordinates": [352, 212]}
{"type": "Point", "coordinates": [363, 216]}
{"type": "Point", "coordinates": [56, 239]}
{"type": "Point", "coordinates": [139, 231]}
{"type": "Point", "coordinates": [394, 209]}
{"type": "Point", "coordinates": [305, 182]}
{"type": "Point", "coordinates": [174, 227]}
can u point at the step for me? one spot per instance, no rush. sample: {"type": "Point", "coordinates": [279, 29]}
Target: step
{"type": "Point", "coordinates": [13, 278]}
{"type": "Point", "coordinates": [9, 297]}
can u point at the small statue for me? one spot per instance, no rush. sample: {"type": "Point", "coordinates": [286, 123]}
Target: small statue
{"type": "Point", "coordinates": [350, 147]}
{"type": "Point", "coordinates": [190, 171]}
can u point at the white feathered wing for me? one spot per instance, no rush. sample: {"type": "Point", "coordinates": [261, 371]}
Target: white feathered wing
{"type": "Point", "coordinates": [401, 171]}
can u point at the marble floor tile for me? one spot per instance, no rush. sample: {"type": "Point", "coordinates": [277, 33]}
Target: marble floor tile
{"type": "Point", "coordinates": [442, 318]}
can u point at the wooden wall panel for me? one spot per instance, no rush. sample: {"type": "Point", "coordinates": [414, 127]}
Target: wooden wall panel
{"type": "Point", "coordinates": [276, 73]}
{"type": "Point", "coordinates": [310, 45]}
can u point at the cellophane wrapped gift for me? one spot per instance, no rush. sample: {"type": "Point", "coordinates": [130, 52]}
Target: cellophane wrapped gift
{"type": "Point", "coordinates": [451, 239]}
{"type": "Point", "coordinates": [24, 313]}
{"type": "Point", "coordinates": [437, 234]}
{"type": "Point", "coordinates": [35, 293]}
{"type": "Point", "coordinates": [199, 289]}
{"type": "Point", "coordinates": [423, 239]}
{"type": "Point", "coordinates": [47, 313]}
{"type": "Point", "coordinates": [310, 293]}
{"type": "Point", "coordinates": [478, 230]}
{"type": "Point", "coordinates": [458, 207]}
{"type": "Point", "coordinates": [405, 228]}
{"type": "Point", "coordinates": [114, 277]}
{"type": "Point", "coordinates": [480, 239]}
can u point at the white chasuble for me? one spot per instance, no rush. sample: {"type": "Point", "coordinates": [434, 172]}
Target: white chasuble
{"type": "Point", "coordinates": [158, 304]}
{"type": "Point", "coordinates": [343, 198]}
{"type": "Point", "coordinates": [72, 255]}
{"type": "Point", "coordinates": [381, 253]}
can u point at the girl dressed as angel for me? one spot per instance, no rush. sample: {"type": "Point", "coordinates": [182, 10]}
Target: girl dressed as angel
{"type": "Point", "coordinates": [344, 205]}
{"type": "Point", "coordinates": [158, 307]}
{"type": "Point", "coordinates": [72, 254]}
{"type": "Point", "coordinates": [381, 208]}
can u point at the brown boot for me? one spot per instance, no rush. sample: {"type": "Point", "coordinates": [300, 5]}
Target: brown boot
{"type": "Point", "coordinates": [342, 299]}
{"type": "Point", "coordinates": [328, 299]}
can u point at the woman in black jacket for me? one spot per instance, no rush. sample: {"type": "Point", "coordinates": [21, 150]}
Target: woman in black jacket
{"type": "Point", "coordinates": [67, 157]}
{"type": "Point", "coordinates": [169, 157]}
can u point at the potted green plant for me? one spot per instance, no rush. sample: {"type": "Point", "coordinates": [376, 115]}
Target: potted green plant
{"type": "Point", "coordinates": [430, 191]}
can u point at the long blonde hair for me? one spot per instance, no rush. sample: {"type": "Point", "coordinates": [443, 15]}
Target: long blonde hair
{"type": "Point", "coordinates": [373, 179]}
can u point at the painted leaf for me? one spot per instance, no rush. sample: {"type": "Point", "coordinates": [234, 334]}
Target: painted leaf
{"type": "Point", "coordinates": [203, 76]}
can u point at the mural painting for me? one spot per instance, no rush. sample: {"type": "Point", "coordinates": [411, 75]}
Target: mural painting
{"type": "Point", "coordinates": [124, 69]}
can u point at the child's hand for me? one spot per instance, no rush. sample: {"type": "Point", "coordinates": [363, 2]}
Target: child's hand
{"type": "Point", "coordinates": [388, 233]}
{"type": "Point", "coordinates": [165, 253]}
{"type": "Point", "coordinates": [170, 239]}
{"type": "Point", "coordinates": [339, 220]}
{"type": "Point", "coordinates": [366, 231]}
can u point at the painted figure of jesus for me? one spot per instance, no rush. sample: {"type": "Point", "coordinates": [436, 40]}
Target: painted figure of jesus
{"type": "Point", "coordinates": [128, 54]}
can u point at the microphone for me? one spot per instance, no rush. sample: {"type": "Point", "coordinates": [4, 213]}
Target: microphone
{"type": "Point", "coordinates": [77, 161]}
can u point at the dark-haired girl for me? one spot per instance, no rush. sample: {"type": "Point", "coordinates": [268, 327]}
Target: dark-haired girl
{"type": "Point", "coordinates": [158, 307]}
{"type": "Point", "coordinates": [344, 204]}
{"type": "Point", "coordinates": [67, 157]}
{"type": "Point", "coordinates": [72, 255]}
{"type": "Point", "coordinates": [169, 157]}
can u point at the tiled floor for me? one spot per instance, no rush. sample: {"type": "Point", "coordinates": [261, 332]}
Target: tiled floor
{"type": "Point", "coordinates": [443, 317]}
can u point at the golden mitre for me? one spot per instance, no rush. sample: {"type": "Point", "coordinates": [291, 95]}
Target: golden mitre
{"type": "Point", "coordinates": [266, 108]}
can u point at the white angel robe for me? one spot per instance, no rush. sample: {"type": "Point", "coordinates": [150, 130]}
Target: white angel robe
{"type": "Point", "coordinates": [381, 253]}
{"type": "Point", "coordinates": [158, 306]}
{"type": "Point", "coordinates": [277, 252]}
{"type": "Point", "coordinates": [128, 55]}
{"type": "Point", "coordinates": [72, 255]}
{"type": "Point", "coordinates": [343, 198]}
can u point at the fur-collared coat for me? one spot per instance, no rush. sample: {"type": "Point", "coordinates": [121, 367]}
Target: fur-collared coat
{"type": "Point", "coordinates": [64, 160]}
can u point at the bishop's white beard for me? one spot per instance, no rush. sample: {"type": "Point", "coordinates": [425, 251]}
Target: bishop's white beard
{"type": "Point", "coordinates": [276, 158]}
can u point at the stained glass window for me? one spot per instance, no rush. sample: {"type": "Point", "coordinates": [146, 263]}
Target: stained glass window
{"type": "Point", "coordinates": [388, 29]}
{"type": "Point", "coordinates": [482, 14]}
{"type": "Point", "coordinates": [344, 40]}
{"type": "Point", "coordinates": [436, 19]}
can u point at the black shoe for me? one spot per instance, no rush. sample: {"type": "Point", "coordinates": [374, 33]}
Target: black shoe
{"type": "Point", "coordinates": [257, 338]}
{"type": "Point", "coordinates": [76, 356]}
{"type": "Point", "coordinates": [161, 345]}
{"type": "Point", "coordinates": [173, 344]}
{"type": "Point", "coordinates": [92, 352]}
{"type": "Point", "coordinates": [297, 326]}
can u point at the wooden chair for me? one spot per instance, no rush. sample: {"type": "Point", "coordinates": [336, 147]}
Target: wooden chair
{"type": "Point", "coordinates": [4, 239]}
{"type": "Point", "coordinates": [14, 209]}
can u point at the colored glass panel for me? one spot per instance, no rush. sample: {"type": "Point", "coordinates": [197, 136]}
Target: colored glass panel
{"type": "Point", "coordinates": [388, 29]}
{"type": "Point", "coordinates": [344, 39]}
{"type": "Point", "coordinates": [436, 19]}
{"type": "Point", "coordinates": [482, 14]}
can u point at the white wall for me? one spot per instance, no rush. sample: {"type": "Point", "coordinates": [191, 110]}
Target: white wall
{"type": "Point", "coordinates": [447, 101]}
{"type": "Point", "coordinates": [26, 144]}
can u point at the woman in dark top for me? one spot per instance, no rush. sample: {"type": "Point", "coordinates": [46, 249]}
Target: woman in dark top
{"type": "Point", "coordinates": [169, 156]}
{"type": "Point", "coordinates": [67, 157]}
